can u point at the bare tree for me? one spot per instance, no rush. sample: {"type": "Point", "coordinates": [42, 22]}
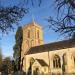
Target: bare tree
{"type": "Point", "coordinates": [65, 21]}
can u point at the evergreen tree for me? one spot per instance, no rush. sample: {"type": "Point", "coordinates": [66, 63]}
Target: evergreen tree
{"type": "Point", "coordinates": [17, 47]}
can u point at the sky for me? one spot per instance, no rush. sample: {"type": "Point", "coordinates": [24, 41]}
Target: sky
{"type": "Point", "coordinates": [40, 14]}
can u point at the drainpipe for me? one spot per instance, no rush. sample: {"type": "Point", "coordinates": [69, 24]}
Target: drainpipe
{"type": "Point", "coordinates": [63, 64]}
{"type": "Point", "coordinates": [49, 72]}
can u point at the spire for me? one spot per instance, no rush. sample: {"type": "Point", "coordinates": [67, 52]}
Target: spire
{"type": "Point", "coordinates": [33, 19]}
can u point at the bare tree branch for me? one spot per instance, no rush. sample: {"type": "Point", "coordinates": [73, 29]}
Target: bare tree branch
{"type": "Point", "coordinates": [64, 24]}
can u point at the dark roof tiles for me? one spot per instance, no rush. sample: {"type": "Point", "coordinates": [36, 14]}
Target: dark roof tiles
{"type": "Point", "coordinates": [42, 62]}
{"type": "Point", "coordinates": [52, 46]}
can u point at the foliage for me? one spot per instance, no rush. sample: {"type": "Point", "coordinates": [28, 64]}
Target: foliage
{"type": "Point", "coordinates": [9, 64]}
{"type": "Point", "coordinates": [9, 16]}
{"type": "Point", "coordinates": [14, 66]}
{"type": "Point", "coordinates": [17, 47]}
{"type": "Point", "coordinates": [7, 61]}
{"type": "Point", "coordinates": [65, 21]}
{"type": "Point", "coordinates": [6, 66]}
{"type": "Point", "coordinates": [19, 73]}
{"type": "Point", "coordinates": [4, 69]}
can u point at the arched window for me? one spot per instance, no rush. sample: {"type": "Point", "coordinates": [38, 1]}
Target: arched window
{"type": "Point", "coordinates": [32, 43]}
{"type": "Point", "coordinates": [74, 60]}
{"type": "Point", "coordinates": [56, 61]}
{"type": "Point", "coordinates": [73, 56]}
{"type": "Point", "coordinates": [28, 33]}
{"type": "Point", "coordinates": [38, 34]}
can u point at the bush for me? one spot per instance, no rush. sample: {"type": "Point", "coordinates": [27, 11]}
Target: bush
{"type": "Point", "coordinates": [19, 73]}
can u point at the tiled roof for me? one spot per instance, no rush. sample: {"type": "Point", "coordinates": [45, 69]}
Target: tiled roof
{"type": "Point", "coordinates": [42, 62]}
{"type": "Point", "coordinates": [52, 46]}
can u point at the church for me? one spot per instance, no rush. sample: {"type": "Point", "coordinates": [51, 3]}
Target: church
{"type": "Point", "coordinates": [50, 59]}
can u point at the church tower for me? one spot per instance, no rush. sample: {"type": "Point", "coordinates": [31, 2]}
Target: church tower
{"type": "Point", "coordinates": [32, 36]}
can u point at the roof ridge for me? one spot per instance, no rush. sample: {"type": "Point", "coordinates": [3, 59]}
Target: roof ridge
{"type": "Point", "coordinates": [52, 46]}
{"type": "Point", "coordinates": [69, 40]}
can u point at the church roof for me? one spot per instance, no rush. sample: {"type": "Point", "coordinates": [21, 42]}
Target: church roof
{"type": "Point", "coordinates": [42, 62]}
{"type": "Point", "coordinates": [52, 46]}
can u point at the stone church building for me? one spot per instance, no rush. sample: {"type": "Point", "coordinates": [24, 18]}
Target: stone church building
{"type": "Point", "coordinates": [52, 58]}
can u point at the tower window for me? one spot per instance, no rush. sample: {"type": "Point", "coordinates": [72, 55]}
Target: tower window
{"type": "Point", "coordinates": [28, 33]}
{"type": "Point", "coordinates": [38, 34]}
{"type": "Point", "coordinates": [27, 42]}
{"type": "Point", "coordinates": [74, 60]}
